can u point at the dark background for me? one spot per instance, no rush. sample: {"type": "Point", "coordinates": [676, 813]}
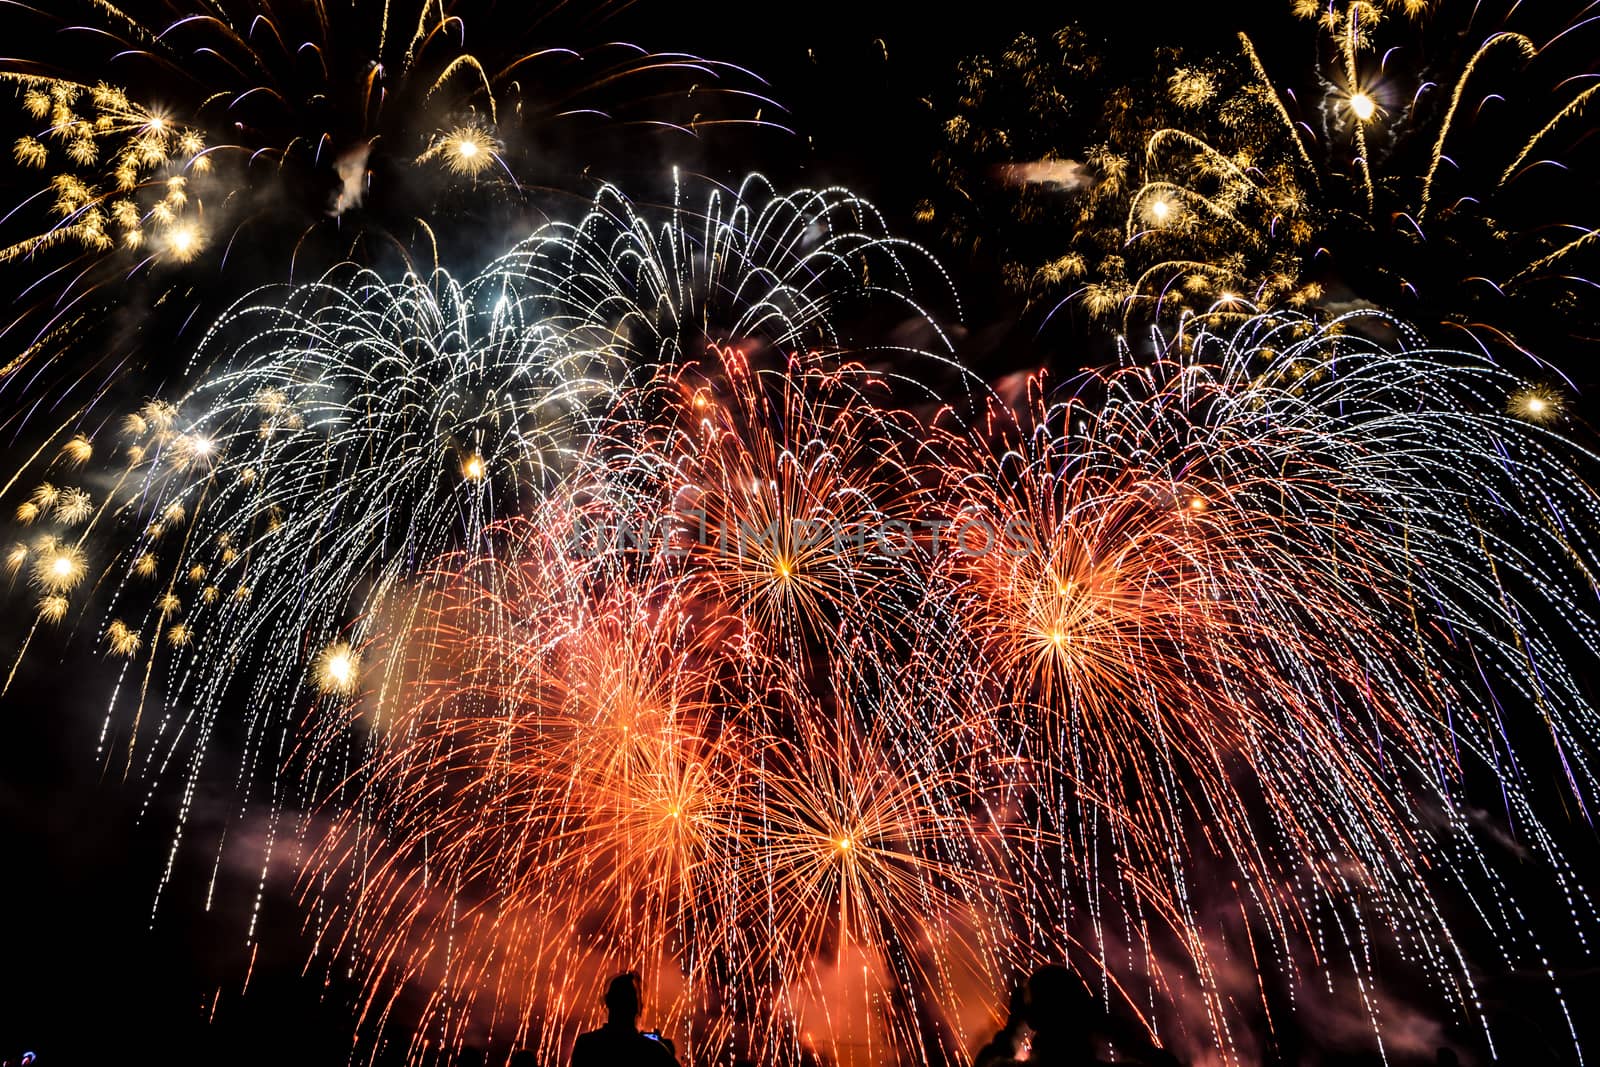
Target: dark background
{"type": "Point", "coordinates": [90, 976]}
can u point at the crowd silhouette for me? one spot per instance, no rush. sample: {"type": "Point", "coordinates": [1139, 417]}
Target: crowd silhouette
{"type": "Point", "coordinates": [1054, 1021]}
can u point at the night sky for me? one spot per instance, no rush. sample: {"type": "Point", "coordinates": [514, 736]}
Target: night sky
{"type": "Point", "coordinates": [90, 978]}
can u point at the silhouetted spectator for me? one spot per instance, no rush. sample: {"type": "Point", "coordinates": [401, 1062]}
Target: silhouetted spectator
{"type": "Point", "coordinates": [470, 1057]}
{"type": "Point", "coordinates": [619, 1043]}
{"type": "Point", "coordinates": [524, 1057]}
{"type": "Point", "coordinates": [1447, 1057]}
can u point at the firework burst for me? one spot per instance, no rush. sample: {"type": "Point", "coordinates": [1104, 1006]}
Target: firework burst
{"type": "Point", "coordinates": [796, 490]}
{"type": "Point", "coordinates": [809, 274]}
{"type": "Point", "coordinates": [586, 759]}
{"type": "Point", "coordinates": [1432, 161]}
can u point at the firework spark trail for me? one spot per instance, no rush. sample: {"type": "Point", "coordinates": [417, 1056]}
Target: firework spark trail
{"type": "Point", "coordinates": [751, 267]}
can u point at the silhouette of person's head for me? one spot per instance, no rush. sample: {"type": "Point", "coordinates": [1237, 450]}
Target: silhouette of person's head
{"type": "Point", "coordinates": [470, 1057]}
{"type": "Point", "coordinates": [1447, 1057]}
{"type": "Point", "coordinates": [524, 1057]}
{"type": "Point", "coordinates": [1056, 997]}
{"type": "Point", "coordinates": [623, 1000]}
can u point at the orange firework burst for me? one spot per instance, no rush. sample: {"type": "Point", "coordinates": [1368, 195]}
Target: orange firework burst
{"type": "Point", "coordinates": [799, 489]}
{"type": "Point", "coordinates": [1079, 584]}
{"type": "Point", "coordinates": [547, 776]}
{"type": "Point", "coordinates": [569, 778]}
{"type": "Point", "coordinates": [1187, 609]}
{"type": "Point", "coordinates": [890, 881]}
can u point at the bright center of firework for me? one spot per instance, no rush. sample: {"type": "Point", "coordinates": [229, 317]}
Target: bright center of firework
{"type": "Point", "coordinates": [1161, 209]}
{"type": "Point", "coordinates": [158, 124]}
{"type": "Point", "coordinates": [466, 150]}
{"type": "Point", "coordinates": [62, 567]}
{"type": "Point", "coordinates": [1197, 504]}
{"type": "Point", "coordinates": [1363, 107]}
{"type": "Point", "coordinates": [473, 469]}
{"type": "Point", "coordinates": [844, 844]}
{"type": "Point", "coordinates": [337, 668]}
{"type": "Point", "coordinates": [1536, 404]}
{"type": "Point", "coordinates": [184, 242]}
{"type": "Point", "coordinates": [783, 568]}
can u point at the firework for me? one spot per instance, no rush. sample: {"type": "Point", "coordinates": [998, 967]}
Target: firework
{"type": "Point", "coordinates": [331, 441]}
{"type": "Point", "coordinates": [123, 178]}
{"type": "Point", "coordinates": [1258, 606]}
{"type": "Point", "coordinates": [580, 753]}
{"type": "Point", "coordinates": [795, 482]}
{"type": "Point", "coordinates": [1168, 164]}
{"type": "Point", "coordinates": [467, 150]}
{"type": "Point", "coordinates": [575, 725]}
